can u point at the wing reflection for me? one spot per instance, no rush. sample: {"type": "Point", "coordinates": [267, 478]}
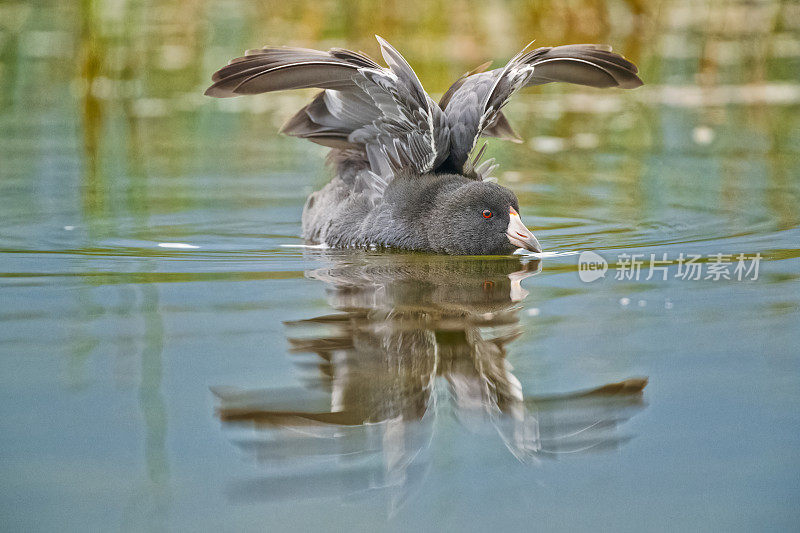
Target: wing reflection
{"type": "Point", "coordinates": [412, 334]}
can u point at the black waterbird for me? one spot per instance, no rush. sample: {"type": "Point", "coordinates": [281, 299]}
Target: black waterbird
{"type": "Point", "coordinates": [404, 176]}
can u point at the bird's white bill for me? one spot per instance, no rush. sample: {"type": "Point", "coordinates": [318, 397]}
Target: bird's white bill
{"type": "Point", "coordinates": [519, 235]}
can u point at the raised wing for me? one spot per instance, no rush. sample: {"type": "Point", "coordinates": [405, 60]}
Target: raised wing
{"type": "Point", "coordinates": [473, 105]}
{"type": "Point", "coordinates": [383, 114]}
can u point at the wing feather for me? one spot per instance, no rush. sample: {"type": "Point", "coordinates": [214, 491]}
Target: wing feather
{"type": "Point", "coordinates": [382, 113]}
{"type": "Point", "coordinates": [385, 115]}
{"type": "Point", "coordinates": [473, 105]}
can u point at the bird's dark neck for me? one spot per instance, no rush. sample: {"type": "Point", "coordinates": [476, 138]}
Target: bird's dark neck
{"type": "Point", "coordinates": [448, 167]}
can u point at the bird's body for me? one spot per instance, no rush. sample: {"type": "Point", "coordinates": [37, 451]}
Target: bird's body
{"type": "Point", "coordinates": [404, 178]}
{"type": "Point", "coordinates": [407, 216]}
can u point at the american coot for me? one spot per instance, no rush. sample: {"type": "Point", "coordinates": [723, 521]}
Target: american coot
{"type": "Point", "coordinates": [404, 175]}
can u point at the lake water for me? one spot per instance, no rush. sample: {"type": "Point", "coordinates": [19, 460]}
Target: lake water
{"type": "Point", "coordinates": [166, 362]}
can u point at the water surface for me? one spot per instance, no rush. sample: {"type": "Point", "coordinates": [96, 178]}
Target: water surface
{"type": "Point", "coordinates": [239, 384]}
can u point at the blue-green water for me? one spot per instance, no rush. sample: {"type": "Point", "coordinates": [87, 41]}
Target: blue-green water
{"type": "Point", "coordinates": [244, 385]}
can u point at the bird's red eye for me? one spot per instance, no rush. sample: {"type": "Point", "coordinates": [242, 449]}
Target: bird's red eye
{"type": "Point", "coordinates": [487, 213]}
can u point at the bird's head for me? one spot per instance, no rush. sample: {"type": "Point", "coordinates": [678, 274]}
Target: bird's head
{"type": "Point", "coordinates": [480, 218]}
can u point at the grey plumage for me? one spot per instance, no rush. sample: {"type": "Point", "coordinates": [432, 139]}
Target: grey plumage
{"type": "Point", "coordinates": [383, 113]}
{"type": "Point", "coordinates": [381, 125]}
{"type": "Point", "coordinates": [473, 105]}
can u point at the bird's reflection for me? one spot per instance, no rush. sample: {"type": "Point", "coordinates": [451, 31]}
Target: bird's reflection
{"type": "Point", "coordinates": [413, 336]}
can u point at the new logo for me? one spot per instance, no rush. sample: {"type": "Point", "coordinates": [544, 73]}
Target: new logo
{"type": "Point", "coordinates": [591, 266]}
